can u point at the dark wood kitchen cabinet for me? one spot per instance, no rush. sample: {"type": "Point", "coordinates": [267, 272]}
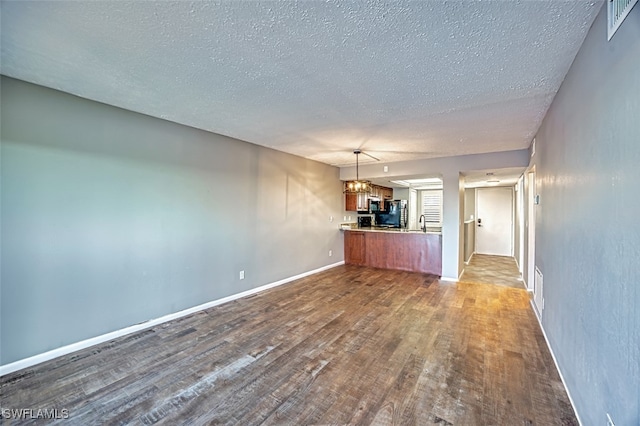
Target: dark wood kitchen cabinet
{"type": "Point", "coordinates": [356, 202]}
{"type": "Point", "coordinates": [350, 202]}
{"type": "Point", "coordinates": [386, 194]}
{"type": "Point", "coordinates": [360, 202]}
{"type": "Point", "coordinates": [354, 245]}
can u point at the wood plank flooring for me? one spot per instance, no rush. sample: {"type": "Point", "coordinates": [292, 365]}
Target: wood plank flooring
{"type": "Point", "coordinates": [497, 270]}
{"type": "Point", "coordinates": [351, 345]}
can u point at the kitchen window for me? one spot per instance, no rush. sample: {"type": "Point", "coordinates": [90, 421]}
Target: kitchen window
{"type": "Point", "coordinates": [432, 207]}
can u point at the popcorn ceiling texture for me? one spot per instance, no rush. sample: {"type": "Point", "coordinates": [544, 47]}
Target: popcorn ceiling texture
{"type": "Point", "coordinates": [402, 80]}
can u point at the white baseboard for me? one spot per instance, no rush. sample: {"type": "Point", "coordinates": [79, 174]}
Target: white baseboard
{"type": "Point", "coordinates": [555, 361]}
{"type": "Point", "coordinates": [470, 257]}
{"type": "Point", "coordinates": [65, 350]}
{"type": "Point", "coordinates": [452, 280]}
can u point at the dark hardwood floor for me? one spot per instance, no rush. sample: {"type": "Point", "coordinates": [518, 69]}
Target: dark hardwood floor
{"type": "Point", "coordinates": [351, 345]}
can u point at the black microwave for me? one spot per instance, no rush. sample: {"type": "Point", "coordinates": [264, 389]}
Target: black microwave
{"type": "Point", "coordinates": [364, 222]}
{"type": "Point", "coordinates": [374, 206]}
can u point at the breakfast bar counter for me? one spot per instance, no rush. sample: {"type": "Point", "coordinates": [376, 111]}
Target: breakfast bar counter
{"type": "Point", "coordinates": [414, 251]}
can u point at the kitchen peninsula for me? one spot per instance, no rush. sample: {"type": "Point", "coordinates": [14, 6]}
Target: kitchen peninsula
{"type": "Point", "coordinates": [394, 248]}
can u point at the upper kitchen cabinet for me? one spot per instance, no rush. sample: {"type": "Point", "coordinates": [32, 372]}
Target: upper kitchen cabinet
{"type": "Point", "coordinates": [360, 202]}
{"type": "Point", "coordinates": [386, 194]}
{"type": "Point", "coordinates": [350, 202]}
{"type": "Point", "coordinates": [356, 202]}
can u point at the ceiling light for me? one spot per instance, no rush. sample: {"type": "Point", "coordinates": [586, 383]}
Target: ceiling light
{"type": "Point", "coordinates": [414, 182]}
{"type": "Point", "coordinates": [357, 186]}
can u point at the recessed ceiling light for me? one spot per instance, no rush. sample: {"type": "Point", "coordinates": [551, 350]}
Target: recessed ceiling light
{"type": "Point", "coordinates": [409, 182]}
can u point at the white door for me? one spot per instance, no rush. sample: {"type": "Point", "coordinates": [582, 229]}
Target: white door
{"type": "Point", "coordinates": [494, 227]}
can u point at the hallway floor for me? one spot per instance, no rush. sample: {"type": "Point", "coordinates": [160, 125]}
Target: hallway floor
{"type": "Point", "coordinates": [498, 270]}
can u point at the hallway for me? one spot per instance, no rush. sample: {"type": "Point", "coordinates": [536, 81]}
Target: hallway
{"type": "Point", "coordinates": [498, 270]}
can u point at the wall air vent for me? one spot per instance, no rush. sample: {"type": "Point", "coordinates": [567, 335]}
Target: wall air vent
{"type": "Point", "coordinates": [538, 295]}
{"type": "Point", "coordinates": [617, 10]}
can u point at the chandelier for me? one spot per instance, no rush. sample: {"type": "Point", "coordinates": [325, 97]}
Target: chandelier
{"type": "Point", "coordinates": [357, 186]}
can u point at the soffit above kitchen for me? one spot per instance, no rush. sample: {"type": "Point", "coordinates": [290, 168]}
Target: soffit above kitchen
{"type": "Point", "coordinates": [401, 80]}
{"type": "Point", "coordinates": [506, 176]}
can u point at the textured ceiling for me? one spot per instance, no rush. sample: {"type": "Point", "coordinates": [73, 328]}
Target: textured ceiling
{"type": "Point", "coordinates": [501, 177]}
{"type": "Point", "coordinates": [401, 80]}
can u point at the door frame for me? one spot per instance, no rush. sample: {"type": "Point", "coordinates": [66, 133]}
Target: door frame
{"type": "Point", "coordinates": [531, 228]}
{"type": "Point", "coordinates": [520, 209]}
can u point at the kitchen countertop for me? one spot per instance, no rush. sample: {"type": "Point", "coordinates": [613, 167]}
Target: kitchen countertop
{"type": "Point", "coordinates": [393, 230]}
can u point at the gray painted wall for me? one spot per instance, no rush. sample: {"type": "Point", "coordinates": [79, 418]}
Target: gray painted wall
{"type": "Point", "coordinates": [469, 228]}
{"type": "Point", "coordinates": [469, 203]}
{"type": "Point", "coordinates": [588, 224]}
{"type": "Point", "coordinates": [111, 218]}
{"type": "Point", "coordinates": [400, 193]}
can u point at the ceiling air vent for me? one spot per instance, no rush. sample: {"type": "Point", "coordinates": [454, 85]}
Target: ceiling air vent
{"type": "Point", "coordinates": [617, 10]}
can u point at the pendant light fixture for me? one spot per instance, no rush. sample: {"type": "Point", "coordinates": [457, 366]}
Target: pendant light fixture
{"type": "Point", "coordinates": [357, 186]}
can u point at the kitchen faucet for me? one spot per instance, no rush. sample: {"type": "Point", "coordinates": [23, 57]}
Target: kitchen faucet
{"type": "Point", "coordinates": [423, 221]}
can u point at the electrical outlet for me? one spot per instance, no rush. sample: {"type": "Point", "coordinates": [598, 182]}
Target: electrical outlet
{"type": "Point", "coordinates": [330, 253]}
{"type": "Point", "coordinates": [242, 275]}
{"type": "Point", "coordinates": [609, 421]}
